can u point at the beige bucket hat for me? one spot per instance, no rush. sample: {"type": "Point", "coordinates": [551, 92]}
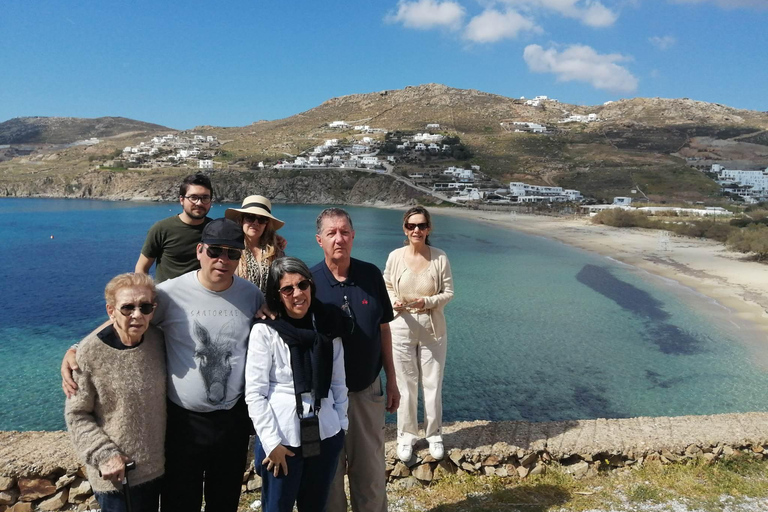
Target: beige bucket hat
{"type": "Point", "coordinates": [258, 205]}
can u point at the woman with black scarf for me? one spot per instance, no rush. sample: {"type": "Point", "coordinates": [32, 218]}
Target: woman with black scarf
{"type": "Point", "coordinates": [296, 392]}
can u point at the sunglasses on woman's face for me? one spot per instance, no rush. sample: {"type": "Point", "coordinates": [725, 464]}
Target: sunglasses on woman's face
{"type": "Point", "coordinates": [251, 218]}
{"type": "Point", "coordinates": [288, 290]}
{"type": "Point", "coordinates": [145, 308]}
{"type": "Point", "coordinates": [214, 251]}
{"type": "Point", "coordinates": [421, 225]}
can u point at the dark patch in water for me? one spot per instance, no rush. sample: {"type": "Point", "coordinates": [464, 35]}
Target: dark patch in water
{"type": "Point", "coordinates": [629, 297]}
{"type": "Point", "coordinates": [673, 340]}
{"type": "Point", "coordinates": [669, 338]}
{"type": "Point", "coordinates": [592, 401]}
{"type": "Point", "coordinates": [658, 381]}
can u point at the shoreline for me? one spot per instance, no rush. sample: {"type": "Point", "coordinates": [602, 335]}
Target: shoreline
{"type": "Point", "coordinates": [704, 266]}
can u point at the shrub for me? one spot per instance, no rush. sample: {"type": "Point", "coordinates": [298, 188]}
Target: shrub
{"type": "Point", "coordinates": [619, 218]}
{"type": "Point", "coordinates": [752, 239]}
{"type": "Point", "coordinates": [719, 231]}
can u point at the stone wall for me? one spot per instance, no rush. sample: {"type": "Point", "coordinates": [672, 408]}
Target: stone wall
{"type": "Point", "coordinates": [39, 471]}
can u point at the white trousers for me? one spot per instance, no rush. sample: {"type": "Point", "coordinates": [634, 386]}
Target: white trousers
{"type": "Point", "coordinates": [418, 355]}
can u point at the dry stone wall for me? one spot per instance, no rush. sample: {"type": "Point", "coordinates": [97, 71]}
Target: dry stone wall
{"type": "Point", "coordinates": [39, 470]}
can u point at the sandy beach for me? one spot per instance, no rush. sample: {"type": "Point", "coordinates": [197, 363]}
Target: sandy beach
{"type": "Point", "coordinates": [703, 265]}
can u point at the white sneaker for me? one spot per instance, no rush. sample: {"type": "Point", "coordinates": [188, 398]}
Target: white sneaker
{"type": "Point", "coordinates": [437, 450]}
{"type": "Point", "coordinates": [404, 451]}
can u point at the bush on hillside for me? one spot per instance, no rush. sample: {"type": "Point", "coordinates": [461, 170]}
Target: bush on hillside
{"type": "Point", "coordinates": [752, 239]}
{"type": "Point", "coordinates": [619, 218]}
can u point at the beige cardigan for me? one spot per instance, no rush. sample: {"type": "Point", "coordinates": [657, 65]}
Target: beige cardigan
{"type": "Point", "coordinates": [119, 407]}
{"type": "Point", "coordinates": [439, 269]}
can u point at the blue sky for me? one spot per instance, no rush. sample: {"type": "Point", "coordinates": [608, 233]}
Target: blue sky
{"type": "Point", "coordinates": [183, 64]}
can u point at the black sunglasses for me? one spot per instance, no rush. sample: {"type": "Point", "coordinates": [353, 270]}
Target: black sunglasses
{"type": "Point", "coordinates": [252, 217]}
{"type": "Point", "coordinates": [145, 308]}
{"type": "Point", "coordinates": [349, 314]}
{"type": "Point", "coordinates": [287, 291]}
{"type": "Point", "coordinates": [421, 225]}
{"type": "Point", "coordinates": [214, 252]}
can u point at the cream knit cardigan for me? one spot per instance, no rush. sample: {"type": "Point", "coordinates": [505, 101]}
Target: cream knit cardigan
{"type": "Point", "coordinates": [439, 269]}
{"type": "Point", "coordinates": [119, 407]}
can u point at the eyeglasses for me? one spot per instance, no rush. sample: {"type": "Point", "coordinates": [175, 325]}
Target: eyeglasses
{"type": "Point", "coordinates": [214, 251]}
{"type": "Point", "coordinates": [251, 217]}
{"type": "Point", "coordinates": [421, 225]}
{"type": "Point", "coordinates": [347, 310]}
{"type": "Point", "coordinates": [145, 308]}
{"type": "Point", "coordinates": [198, 199]}
{"type": "Point", "coordinates": [287, 291]}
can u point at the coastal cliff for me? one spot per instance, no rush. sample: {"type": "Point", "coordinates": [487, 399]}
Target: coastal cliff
{"type": "Point", "coordinates": [302, 187]}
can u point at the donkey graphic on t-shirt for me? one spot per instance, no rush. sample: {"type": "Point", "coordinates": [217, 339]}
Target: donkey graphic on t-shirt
{"type": "Point", "coordinates": [214, 359]}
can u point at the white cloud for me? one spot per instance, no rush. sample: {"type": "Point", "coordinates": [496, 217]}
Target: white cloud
{"type": "Point", "coordinates": [589, 12]}
{"type": "Point", "coordinates": [729, 4]}
{"type": "Point", "coordinates": [582, 64]}
{"type": "Point", "coordinates": [662, 42]}
{"type": "Point", "coordinates": [492, 26]}
{"type": "Point", "coordinates": [427, 14]}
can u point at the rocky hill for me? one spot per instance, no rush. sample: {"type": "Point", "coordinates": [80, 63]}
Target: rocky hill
{"type": "Point", "coordinates": [66, 130]}
{"type": "Point", "coordinates": [656, 145]}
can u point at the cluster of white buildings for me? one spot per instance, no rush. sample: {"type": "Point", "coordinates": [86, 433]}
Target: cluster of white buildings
{"type": "Point", "coordinates": [524, 193]}
{"type": "Point", "coordinates": [335, 153]}
{"type": "Point", "coordinates": [536, 101]}
{"type": "Point", "coordinates": [174, 148]}
{"type": "Point", "coordinates": [580, 118]}
{"type": "Point", "coordinates": [524, 126]}
{"type": "Point", "coordinates": [364, 128]}
{"type": "Point", "coordinates": [752, 186]}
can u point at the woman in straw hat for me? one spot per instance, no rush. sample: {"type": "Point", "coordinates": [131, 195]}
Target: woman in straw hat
{"type": "Point", "coordinates": [262, 244]}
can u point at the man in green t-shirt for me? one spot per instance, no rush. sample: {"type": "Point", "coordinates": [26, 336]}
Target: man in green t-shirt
{"type": "Point", "coordinates": [171, 242]}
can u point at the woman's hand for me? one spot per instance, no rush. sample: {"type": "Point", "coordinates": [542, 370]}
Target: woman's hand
{"type": "Point", "coordinates": [281, 242]}
{"type": "Point", "coordinates": [114, 468]}
{"type": "Point", "coordinates": [276, 460]}
{"type": "Point", "coordinates": [398, 305]}
{"type": "Point", "coordinates": [417, 304]}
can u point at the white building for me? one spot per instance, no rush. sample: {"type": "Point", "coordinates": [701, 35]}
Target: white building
{"type": "Point", "coordinates": [622, 201]}
{"type": "Point", "coordinates": [752, 186]}
{"type": "Point", "coordinates": [338, 124]}
{"type": "Point", "coordinates": [433, 126]}
{"type": "Point", "coordinates": [205, 164]}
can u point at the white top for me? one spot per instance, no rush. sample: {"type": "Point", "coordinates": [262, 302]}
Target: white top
{"type": "Point", "coordinates": [270, 396]}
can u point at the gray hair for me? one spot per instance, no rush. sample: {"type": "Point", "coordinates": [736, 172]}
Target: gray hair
{"type": "Point", "coordinates": [331, 213]}
{"type": "Point", "coordinates": [279, 268]}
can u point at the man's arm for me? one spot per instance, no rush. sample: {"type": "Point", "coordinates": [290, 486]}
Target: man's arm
{"type": "Point", "coordinates": [393, 394]}
{"type": "Point", "coordinates": [69, 364]}
{"type": "Point", "coordinates": [144, 264]}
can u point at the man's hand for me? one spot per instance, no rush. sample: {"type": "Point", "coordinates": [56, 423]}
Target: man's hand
{"type": "Point", "coordinates": [393, 396]}
{"type": "Point", "coordinates": [276, 460]}
{"type": "Point", "coordinates": [265, 312]}
{"type": "Point", "coordinates": [69, 365]}
{"type": "Point", "coordinates": [114, 468]}
{"type": "Point", "coordinates": [281, 242]}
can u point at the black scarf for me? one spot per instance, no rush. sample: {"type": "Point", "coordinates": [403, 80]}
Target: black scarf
{"type": "Point", "coordinates": [311, 351]}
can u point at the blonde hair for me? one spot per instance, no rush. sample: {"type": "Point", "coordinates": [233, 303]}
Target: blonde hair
{"type": "Point", "coordinates": [128, 280]}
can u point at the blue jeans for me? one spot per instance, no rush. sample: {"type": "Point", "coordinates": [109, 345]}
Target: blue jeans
{"type": "Point", "coordinates": [144, 498]}
{"type": "Point", "coordinates": [308, 481]}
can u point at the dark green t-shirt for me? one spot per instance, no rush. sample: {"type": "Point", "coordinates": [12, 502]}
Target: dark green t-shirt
{"type": "Point", "coordinates": [172, 244]}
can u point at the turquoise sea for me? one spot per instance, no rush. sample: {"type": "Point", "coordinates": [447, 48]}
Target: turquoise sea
{"type": "Point", "coordinates": [538, 330]}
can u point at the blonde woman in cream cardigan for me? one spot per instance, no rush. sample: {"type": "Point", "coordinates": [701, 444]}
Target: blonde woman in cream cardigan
{"type": "Point", "coordinates": [420, 284]}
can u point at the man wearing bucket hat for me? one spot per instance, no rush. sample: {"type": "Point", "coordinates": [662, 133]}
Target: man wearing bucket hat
{"type": "Point", "coordinates": [262, 244]}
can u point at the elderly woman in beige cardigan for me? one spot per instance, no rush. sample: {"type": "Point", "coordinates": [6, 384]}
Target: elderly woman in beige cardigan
{"type": "Point", "coordinates": [118, 414]}
{"type": "Point", "coordinates": [420, 284]}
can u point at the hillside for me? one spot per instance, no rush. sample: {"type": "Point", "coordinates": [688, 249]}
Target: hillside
{"type": "Point", "coordinates": [655, 145]}
{"type": "Point", "coordinates": [66, 130]}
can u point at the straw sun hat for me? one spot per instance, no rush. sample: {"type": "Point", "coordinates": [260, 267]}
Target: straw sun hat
{"type": "Point", "coordinates": [258, 205]}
